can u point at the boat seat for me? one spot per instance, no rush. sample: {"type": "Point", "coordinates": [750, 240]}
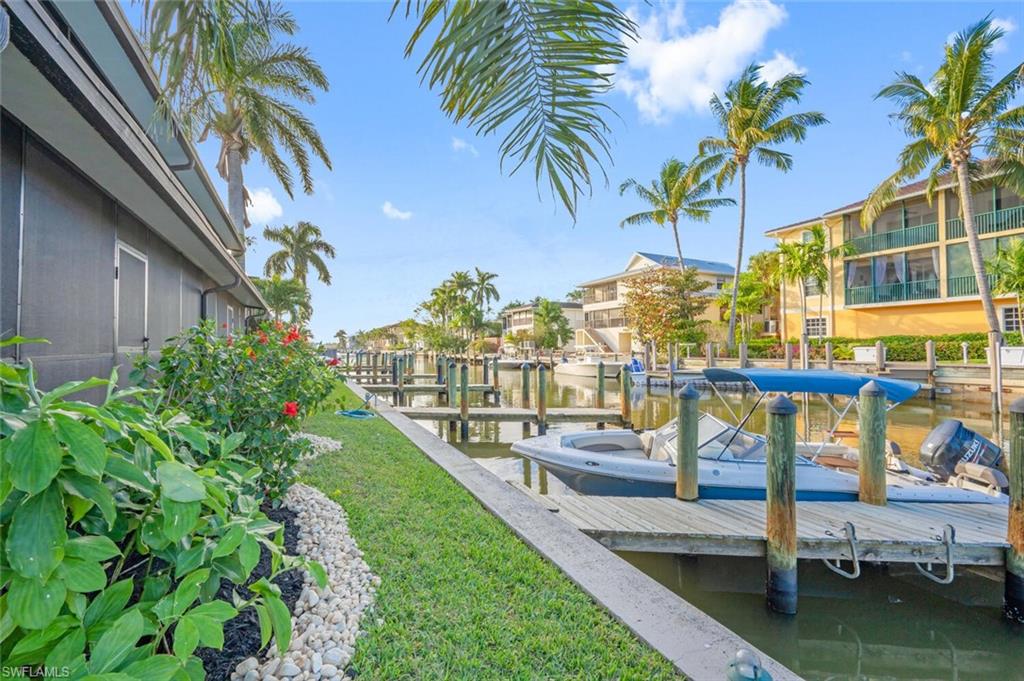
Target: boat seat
{"type": "Point", "coordinates": [603, 441]}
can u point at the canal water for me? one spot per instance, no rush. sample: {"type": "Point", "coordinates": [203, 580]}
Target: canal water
{"type": "Point", "coordinates": [890, 623]}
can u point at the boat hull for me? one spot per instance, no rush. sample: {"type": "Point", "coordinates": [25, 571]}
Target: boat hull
{"type": "Point", "coordinates": [588, 369]}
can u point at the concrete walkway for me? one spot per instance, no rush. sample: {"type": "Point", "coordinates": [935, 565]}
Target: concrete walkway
{"type": "Point", "coordinates": [695, 643]}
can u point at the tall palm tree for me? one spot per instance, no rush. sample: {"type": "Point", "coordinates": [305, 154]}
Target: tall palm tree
{"type": "Point", "coordinates": [751, 121]}
{"type": "Point", "coordinates": [1008, 268]}
{"type": "Point", "coordinates": [808, 261]}
{"type": "Point", "coordinates": [286, 296]}
{"type": "Point", "coordinates": [957, 114]}
{"type": "Point", "coordinates": [484, 290]}
{"type": "Point", "coordinates": [342, 337]}
{"type": "Point", "coordinates": [679, 191]}
{"type": "Point", "coordinates": [243, 97]}
{"type": "Point", "coordinates": [302, 246]}
{"type": "Point", "coordinates": [534, 71]}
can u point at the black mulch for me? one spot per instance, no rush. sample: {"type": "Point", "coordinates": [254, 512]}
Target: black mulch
{"type": "Point", "coordinates": [242, 634]}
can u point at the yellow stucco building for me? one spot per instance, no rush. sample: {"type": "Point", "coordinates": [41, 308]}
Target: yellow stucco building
{"type": "Point", "coordinates": [909, 271]}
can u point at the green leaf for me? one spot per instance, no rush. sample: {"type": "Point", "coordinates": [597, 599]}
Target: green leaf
{"type": "Point", "coordinates": [188, 590]}
{"type": "Point", "coordinates": [265, 628]}
{"type": "Point", "coordinates": [179, 483]}
{"type": "Point", "coordinates": [318, 572]}
{"type": "Point", "coordinates": [231, 443]}
{"type": "Point", "coordinates": [249, 553]}
{"type": "Point", "coordinates": [229, 542]}
{"type": "Point", "coordinates": [35, 542]}
{"type": "Point", "coordinates": [186, 637]}
{"type": "Point", "coordinates": [105, 606]}
{"type": "Point", "coordinates": [82, 576]}
{"type": "Point", "coordinates": [281, 621]}
{"type": "Point", "coordinates": [86, 447]}
{"type": "Point", "coordinates": [117, 642]}
{"type": "Point", "coordinates": [128, 473]}
{"type": "Point", "coordinates": [69, 388]}
{"type": "Point", "coordinates": [33, 604]}
{"type": "Point", "coordinates": [217, 610]}
{"type": "Point", "coordinates": [69, 647]}
{"type": "Point", "coordinates": [153, 533]}
{"type": "Point", "coordinates": [155, 668]}
{"type": "Point", "coordinates": [92, 547]}
{"type": "Point", "coordinates": [154, 441]}
{"type": "Point", "coordinates": [21, 340]}
{"type": "Point", "coordinates": [194, 436]}
{"type": "Point", "coordinates": [86, 488]}
{"type": "Point", "coordinates": [35, 457]}
{"type": "Point", "coordinates": [179, 518]}
{"type": "Point", "coordinates": [211, 632]}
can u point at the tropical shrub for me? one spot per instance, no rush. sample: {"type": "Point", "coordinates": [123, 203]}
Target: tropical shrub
{"type": "Point", "coordinates": [261, 384]}
{"type": "Point", "coordinates": [116, 538]}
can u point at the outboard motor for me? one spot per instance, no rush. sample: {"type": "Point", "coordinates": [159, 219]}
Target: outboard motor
{"type": "Point", "coordinates": [952, 448]}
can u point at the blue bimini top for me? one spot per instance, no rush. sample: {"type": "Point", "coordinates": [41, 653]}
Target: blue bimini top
{"type": "Point", "coordinates": [813, 381]}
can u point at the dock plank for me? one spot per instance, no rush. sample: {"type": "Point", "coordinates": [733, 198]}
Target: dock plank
{"type": "Point", "coordinates": [554, 415]}
{"type": "Point", "coordinates": [899, 532]}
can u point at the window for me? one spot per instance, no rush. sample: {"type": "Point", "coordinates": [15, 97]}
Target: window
{"type": "Point", "coordinates": [923, 265]}
{"type": "Point", "coordinates": [858, 273]}
{"type": "Point", "coordinates": [1011, 319]}
{"type": "Point", "coordinates": [603, 319]}
{"type": "Point", "coordinates": [811, 287]}
{"type": "Point", "coordinates": [601, 294]}
{"type": "Point", "coordinates": [720, 283]}
{"type": "Point", "coordinates": [852, 228]}
{"type": "Point", "coordinates": [921, 214]}
{"type": "Point", "coordinates": [890, 220]}
{"type": "Point", "coordinates": [816, 327]}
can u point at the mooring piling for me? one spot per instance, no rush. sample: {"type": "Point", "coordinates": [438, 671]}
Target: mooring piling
{"type": "Point", "coordinates": [871, 459]}
{"type": "Point", "coordinates": [599, 399]}
{"type": "Point", "coordinates": [439, 368]}
{"type": "Point", "coordinates": [829, 358]}
{"type": "Point", "coordinates": [627, 390]}
{"type": "Point", "coordinates": [525, 388]}
{"type": "Point", "coordinates": [687, 443]}
{"type": "Point", "coordinates": [1013, 594]}
{"type": "Point", "coordinates": [780, 506]}
{"type": "Point", "coordinates": [464, 402]}
{"type": "Point", "coordinates": [487, 371]}
{"type": "Point", "coordinates": [450, 396]}
{"type": "Point", "coordinates": [743, 356]}
{"type": "Point", "coordinates": [495, 392]}
{"type": "Point", "coordinates": [542, 400]}
{"type": "Point", "coordinates": [788, 349]}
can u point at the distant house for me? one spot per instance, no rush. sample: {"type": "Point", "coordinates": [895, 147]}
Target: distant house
{"type": "Point", "coordinates": [604, 299]}
{"type": "Point", "coordinates": [113, 237]}
{"type": "Point", "coordinates": [517, 322]}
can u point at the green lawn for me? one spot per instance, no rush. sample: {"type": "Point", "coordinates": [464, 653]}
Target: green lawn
{"type": "Point", "coordinates": [461, 596]}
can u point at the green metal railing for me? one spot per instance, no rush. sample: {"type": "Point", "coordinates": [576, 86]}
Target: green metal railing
{"type": "Point", "coordinates": [987, 223]}
{"type": "Point", "coordinates": [891, 293]}
{"type": "Point", "coordinates": [966, 286]}
{"type": "Point", "coordinates": [900, 238]}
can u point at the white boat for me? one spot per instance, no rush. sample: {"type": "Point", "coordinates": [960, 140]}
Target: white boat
{"type": "Point", "coordinates": [585, 364]}
{"type": "Point", "coordinates": [731, 461]}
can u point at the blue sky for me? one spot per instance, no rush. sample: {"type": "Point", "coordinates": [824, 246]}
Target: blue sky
{"type": "Point", "coordinates": [412, 197]}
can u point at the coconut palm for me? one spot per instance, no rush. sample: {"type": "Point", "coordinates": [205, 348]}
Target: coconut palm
{"type": "Point", "coordinates": [751, 122]}
{"type": "Point", "coordinates": [808, 261]}
{"type": "Point", "coordinates": [484, 290]}
{"type": "Point", "coordinates": [952, 118]}
{"type": "Point", "coordinates": [286, 296]}
{"type": "Point", "coordinates": [551, 327]}
{"type": "Point", "coordinates": [679, 191]}
{"type": "Point", "coordinates": [244, 97]}
{"type": "Point", "coordinates": [535, 71]}
{"type": "Point", "coordinates": [302, 246]}
{"type": "Point", "coordinates": [1008, 268]}
{"type": "Point", "coordinates": [342, 337]}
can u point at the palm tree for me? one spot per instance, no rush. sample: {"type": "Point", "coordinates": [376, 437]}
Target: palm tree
{"type": "Point", "coordinates": [301, 247]}
{"type": "Point", "coordinates": [751, 121]}
{"type": "Point", "coordinates": [808, 261]}
{"type": "Point", "coordinates": [1008, 268]}
{"type": "Point", "coordinates": [244, 95]}
{"type": "Point", "coordinates": [679, 191]}
{"type": "Point", "coordinates": [342, 337]}
{"type": "Point", "coordinates": [286, 296]}
{"type": "Point", "coordinates": [534, 71]}
{"type": "Point", "coordinates": [550, 324]}
{"type": "Point", "coordinates": [958, 113]}
{"type": "Point", "coordinates": [484, 290]}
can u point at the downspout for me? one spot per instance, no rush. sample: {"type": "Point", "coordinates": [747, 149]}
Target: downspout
{"type": "Point", "coordinates": [216, 289]}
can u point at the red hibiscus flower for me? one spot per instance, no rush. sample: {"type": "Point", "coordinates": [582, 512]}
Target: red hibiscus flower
{"type": "Point", "coordinates": [333, 362]}
{"type": "Point", "coordinates": [231, 341]}
{"type": "Point", "coordinates": [264, 339]}
{"type": "Point", "coordinates": [293, 335]}
{"type": "Point", "coordinates": [278, 325]}
{"type": "Point", "coordinates": [224, 325]}
{"type": "Point", "coordinates": [291, 409]}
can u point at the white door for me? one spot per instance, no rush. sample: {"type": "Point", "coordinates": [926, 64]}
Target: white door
{"type": "Point", "coordinates": [131, 293]}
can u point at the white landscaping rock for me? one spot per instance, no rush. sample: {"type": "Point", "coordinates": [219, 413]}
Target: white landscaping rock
{"type": "Point", "coordinates": [325, 623]}
{"type": "Point", "coordinates": [321, 445]}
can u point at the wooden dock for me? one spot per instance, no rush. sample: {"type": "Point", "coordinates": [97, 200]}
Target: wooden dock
{"type": "Point", "coordinates": [424, 388]}
{"type": "Point", "coordinates": [553, 415]}
{"type": "Point", "coordinates": [897, 533]}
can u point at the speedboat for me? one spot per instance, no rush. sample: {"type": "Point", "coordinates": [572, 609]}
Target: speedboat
{"type": "Point", "coordinates": [960, 466]}
{"type": "Point", "coordinates": [585, 364]}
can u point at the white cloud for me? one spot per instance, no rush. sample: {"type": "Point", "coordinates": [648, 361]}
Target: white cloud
{"type": "Point", "coordinates": [263, 207]}
{"type": "Point", "coordinates": [778, 66]}
{"type": "Point", "coordinates": [1009, 26]}
{"type": "Point", "coordinates": [673, 69]}
{"type": "Point", "coordinates": [393, 213]}
{"type": "Point", "coordinates": [462, 145]}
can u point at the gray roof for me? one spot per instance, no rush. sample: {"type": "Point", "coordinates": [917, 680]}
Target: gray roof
{"type": "Point", "coordinates": [701, 265]}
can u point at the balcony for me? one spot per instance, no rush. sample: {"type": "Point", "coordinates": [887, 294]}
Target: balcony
{"type": "Point", "coordinates": [966, 286]}
{"type": "Point", "coordinates": [893, 293]}
{"type": "Point", "coordinates": [988, 223]}
{"type": "Point", "coordinates": [900, 238]}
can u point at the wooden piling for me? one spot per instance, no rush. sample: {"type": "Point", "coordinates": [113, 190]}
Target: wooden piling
{"type": "Point", "coordinates": [627, 390]}
{"type": "Point", "coordinates": [829, 356]}
{"type": "Point", "coordinates": [686, 443]}
{"type": "Point", "coordinates": [743, 356]}
{"type": "Point", "coordinates": [996, 370]}
{"type": "Point", "coordinates": [788, 350]}
{"type": "Point", "coordinates": [373, 368]}
{"type": "Point", "coordinates": [450, 395]}
{"type": "Point", "coordinates": [495, 386]}
{"type": "Point", "coordinates": [671, 363]}
{"type": "Point", "coordinates": [780, 506]}
{"type": "Point", "coordinates": [487, 371]}
{"type": "Point", "coordinates": [525, 388]}
{"type": "Point", "coordinates": [464, 402]}
{"type": "Point", "coordinates": [805, 351]}
{"type": "Point", "coordinates": [1013, 595]}
{"type": "Point", "coordinates": [709, 358]}
{"type": "Point", "coordinates": [600, 384]}
{"type": "Point", "coordinates": [879, 356]}
{"type": "Point", "coordinates": [542, 400]}
{"type": "Point", "coordinates": [871, 457]}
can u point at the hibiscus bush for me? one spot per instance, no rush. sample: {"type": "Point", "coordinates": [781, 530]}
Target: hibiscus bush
{"type": "Point", "coordinates": [262, 383]}
{"type": "Point", "coordinates": [120, 522]}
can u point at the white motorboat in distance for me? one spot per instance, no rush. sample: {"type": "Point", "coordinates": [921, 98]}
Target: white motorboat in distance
{"type": "Point", "coordinates": [585, 364]}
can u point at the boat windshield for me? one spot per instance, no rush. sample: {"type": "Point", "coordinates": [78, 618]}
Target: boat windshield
{"type": "Point", "coordinates": [718, 440]}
